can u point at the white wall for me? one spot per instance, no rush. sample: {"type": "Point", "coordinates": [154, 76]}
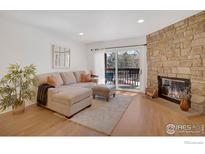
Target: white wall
{"type": "Point", "coordinates": [25, 44]}
{"type": "Point", "coordinates": [29, 45]}
{"type": "Point", "coordinates": [123, 42]}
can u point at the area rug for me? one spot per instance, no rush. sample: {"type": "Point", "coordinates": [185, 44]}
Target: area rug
{"type": "Point", "coordinates": [103, 116]}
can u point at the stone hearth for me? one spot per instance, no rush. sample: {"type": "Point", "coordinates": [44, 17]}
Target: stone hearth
{"type": "Point", "coordinates": [179, 51]}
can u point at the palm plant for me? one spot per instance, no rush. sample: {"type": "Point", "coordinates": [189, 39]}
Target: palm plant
{"type": "Point", "coordinates": [16, 86]}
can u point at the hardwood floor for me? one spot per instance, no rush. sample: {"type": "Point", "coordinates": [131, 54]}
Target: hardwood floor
{"type": "Point", "coordinates": [144, 117]}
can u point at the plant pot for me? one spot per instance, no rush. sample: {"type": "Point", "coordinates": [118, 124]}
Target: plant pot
{"type": "Point", "coordinates": [184, 105]}
{"type": "Point", "coordinates": [17, 109]}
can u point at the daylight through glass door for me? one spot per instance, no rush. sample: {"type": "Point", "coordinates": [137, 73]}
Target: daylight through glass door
{"type": "Point", "coordinates": [122, 68]}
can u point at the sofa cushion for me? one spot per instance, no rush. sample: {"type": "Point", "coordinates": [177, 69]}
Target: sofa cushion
{"type": "Point", "coordinates": [68, 78]}
{"type": "Point", "coordinates": [84, 84]}
{"type": "Point", "coordinates": [78, 75]}
{"type": "Point", "coordinates": [42, 78]}
{"type": "Point", "coordinates": [58, 78]}
{"type": "Point", "coordinates": [71, 95]}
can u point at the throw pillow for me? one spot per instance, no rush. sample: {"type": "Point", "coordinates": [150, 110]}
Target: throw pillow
{"type": "Point", "coordinates": [51, 80]}
{"type": "Point", "coordinates": [85, 77]}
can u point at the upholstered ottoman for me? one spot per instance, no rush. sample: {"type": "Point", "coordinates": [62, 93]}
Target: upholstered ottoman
{"type": "Point", "coordinates": [104, 90]}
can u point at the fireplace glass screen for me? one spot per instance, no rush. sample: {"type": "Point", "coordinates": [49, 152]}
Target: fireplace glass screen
{"type": "Point", "coordinates": [172, 88]}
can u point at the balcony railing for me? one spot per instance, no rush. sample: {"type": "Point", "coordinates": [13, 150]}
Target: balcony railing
{"type": "Point", "coordinates": [127, 77]}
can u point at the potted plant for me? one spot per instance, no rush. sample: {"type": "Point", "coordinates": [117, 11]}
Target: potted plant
{"type": "Point", "coordinates": [16, 87]}
{"type": "Point", "coordinates": [185, 99]}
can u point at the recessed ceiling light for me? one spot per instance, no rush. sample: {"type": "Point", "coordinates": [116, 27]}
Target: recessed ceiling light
{"type": "Point", "coordinates": [81, 34]}
{"type": "Point", "coordinates": [140, 21]}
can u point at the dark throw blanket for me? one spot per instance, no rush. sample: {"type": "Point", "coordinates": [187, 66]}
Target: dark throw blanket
{"type": "Point", "coordinates": [42, 94]}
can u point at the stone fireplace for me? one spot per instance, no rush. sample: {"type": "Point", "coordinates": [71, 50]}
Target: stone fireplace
{"type": "Point", "coordinates": [172, 88]}
{"type": "Point", "coordinates": [178, 52]}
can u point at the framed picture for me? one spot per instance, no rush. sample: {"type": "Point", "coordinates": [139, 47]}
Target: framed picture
{"type": "Point", "coordinates": [61, 57]}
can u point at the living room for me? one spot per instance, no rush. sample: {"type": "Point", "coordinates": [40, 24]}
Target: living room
{"type": "Point", "coordinates": [102, 73]}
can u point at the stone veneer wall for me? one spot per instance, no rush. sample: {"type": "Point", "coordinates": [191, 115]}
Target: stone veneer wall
{"type": "Point", "coordinates": [179, 51]}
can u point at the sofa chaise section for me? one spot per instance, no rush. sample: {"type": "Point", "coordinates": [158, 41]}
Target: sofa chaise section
{"type": "Point", "coordinates": [69, 100]}
{"type": "Point", "coordinates": [71, 96]}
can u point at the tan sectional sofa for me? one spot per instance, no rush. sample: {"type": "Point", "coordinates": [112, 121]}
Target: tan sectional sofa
{"type": "Point", "coordinates": [71, 96]}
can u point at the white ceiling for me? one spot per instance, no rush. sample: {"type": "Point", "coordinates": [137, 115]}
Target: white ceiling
{"type": "Point", "coordinates": [98, 25]}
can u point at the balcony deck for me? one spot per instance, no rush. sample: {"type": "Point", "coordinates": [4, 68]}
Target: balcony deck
{"type": "Point", "coordinates": [128, 78]}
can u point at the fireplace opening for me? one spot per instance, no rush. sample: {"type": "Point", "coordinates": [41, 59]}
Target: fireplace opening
{"type": "Point", "coordinates": [172, 88]}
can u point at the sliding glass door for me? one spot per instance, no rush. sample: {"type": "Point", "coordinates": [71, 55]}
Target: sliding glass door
{"type": "Point", "coordinates": [122, 68]}
{"type": "Point", "coordinates": [128, 69]}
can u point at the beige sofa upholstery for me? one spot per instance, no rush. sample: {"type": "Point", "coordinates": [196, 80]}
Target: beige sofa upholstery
{"type": "Point", "coordinates": [68, 78]}
{"type": "Point", "coordinates": [70, 97]}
